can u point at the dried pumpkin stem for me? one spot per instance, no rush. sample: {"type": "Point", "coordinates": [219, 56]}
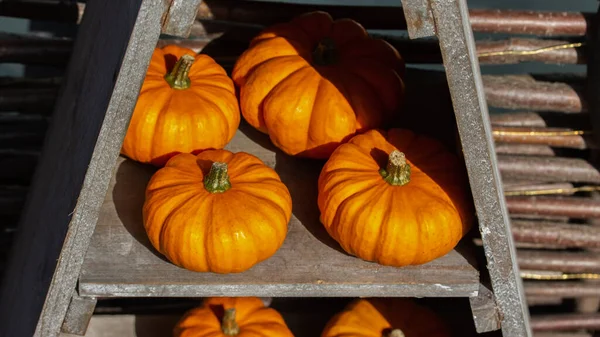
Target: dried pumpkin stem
{"type": "Point", "coordinates": [178, 77]}
{"type": "Point", "coordinates": [229, 326]}
{"type": "Point", "coordinates": [217, 180]}
{"type": "Point", "coordinates": [397, 172]}
{"type": "Point", "coordinates": [396, 333]}
{"type": "Point", "coordinates": [325, 53]}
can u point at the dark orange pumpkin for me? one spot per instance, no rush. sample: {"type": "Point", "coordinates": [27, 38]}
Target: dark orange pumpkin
{"type": "Point", "coordinates": [393, 317]}
{"type": "Point", "coordinates": [218, 211]}
{"type": "Point", "coordinates": [232, 316]}
{"type": "Point", "coordinates": [396, 198]}
{"type": "Point", "coordinates": [187, 104]}
{"type": "Point", "coordinates": [312, 83]}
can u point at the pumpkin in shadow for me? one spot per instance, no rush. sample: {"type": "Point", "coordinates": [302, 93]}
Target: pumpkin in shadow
{"type": "Point", "coordinates": [232, 316]}
{"type": "Point", "coordinates": [390, 317]}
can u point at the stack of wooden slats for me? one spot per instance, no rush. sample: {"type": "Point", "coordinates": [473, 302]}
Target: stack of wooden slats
{"type": "Point", "coordinates": [543, 134]}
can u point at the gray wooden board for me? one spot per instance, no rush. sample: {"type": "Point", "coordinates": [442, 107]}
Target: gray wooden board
{"type": "Point", "coordinates": [112, 51]}
{"type": "Point", "coordinates": [121, 262]}
{"type": "Point", "coordinates": [462, 70]}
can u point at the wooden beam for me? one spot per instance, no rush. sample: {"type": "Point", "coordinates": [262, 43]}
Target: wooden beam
{"type": "Point", "coordinates": [110, 57]}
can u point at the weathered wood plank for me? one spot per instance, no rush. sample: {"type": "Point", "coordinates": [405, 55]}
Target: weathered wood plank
{"type": "Point", "coordinates": [121, 261]}
{"type": "Point", "coordinates": [110, 56]}
{"type": "Point", "coordinates": [78, 315]}
{"type": "Point", "coordinates": [180, 16]}
{"type": "Point", "coordinates": [468, 97]}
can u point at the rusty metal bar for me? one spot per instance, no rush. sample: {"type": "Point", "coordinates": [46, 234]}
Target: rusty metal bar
{"type": "Point", "coordinates": [540, 119]}
{"type": "Point", "coordinates": [549, 289]}
{"type": "Point", "coordinates": [372, 17]}
{"type": "Point", "coordinates": [59, 11]}
{"type": "Point", "coordinates": [515, 50]}
{"type": "Point", "coordinates": [524, 92]}
{"type": "Point", "coordinates": [556, 137]}
{"type": "Point", "coordinates": [556, 234]}
{"type": "Point", "coordinates": [562, 334]}
{"type": "Point", "coordinates": [545, 169]}
{"type": "Point", "coordinates": [522, 187]}
{"type": "Point", "coordinates": [562, 261]}
{"type": "Point", "coordinates": [565, 322]}
{"type": "Point", "coordinates": [572, 207]}
{"type": "Point", "coordinates": [34, 49]}
{"type": "Point", "coordinates": [524, 149]}
{"type": "Point", "coordinates": [26, 99]}
{"type": "Point", "coordinates": [529, 22]}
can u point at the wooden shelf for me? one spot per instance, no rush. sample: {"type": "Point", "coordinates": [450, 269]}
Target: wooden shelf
{"type": "Point", "coordinates": [120, 261]}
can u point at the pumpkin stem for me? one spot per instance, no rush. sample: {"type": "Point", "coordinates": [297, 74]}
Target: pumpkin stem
{"type": "Point", "coordinates": [217, 180]}
{"type": "Point", "coordinates": [325, 53]}
{"type": "Point", "coordinates": [397, 172]}
{"type": "Point", "coordinates": [229, 326]}
{"type": "Point", "coordinates": [396, 333]}
{"type": "Point", "coordinates": [178, 77]}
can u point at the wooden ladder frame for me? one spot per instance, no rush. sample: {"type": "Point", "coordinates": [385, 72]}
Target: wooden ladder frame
{"type": "Point", "coordinates": [110, 57]}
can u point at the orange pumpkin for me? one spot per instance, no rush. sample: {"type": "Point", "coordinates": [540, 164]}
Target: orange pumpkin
{"type": "Point", "coordinates": [227, 316]}
{"type": "Point", "coordinates": [187, 104]}
{"type": "Point", "coordinates": [396, 198]}
{"type": "Point", "coordinates": [312, 83]}
{"type": "Point", "coordinates": [216, 212]}
{"type": "Point", "coordinates": [397, 317]}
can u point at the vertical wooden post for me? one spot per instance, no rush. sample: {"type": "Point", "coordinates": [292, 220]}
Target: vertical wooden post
{"type": "Point", "coordinates": [110, 57]}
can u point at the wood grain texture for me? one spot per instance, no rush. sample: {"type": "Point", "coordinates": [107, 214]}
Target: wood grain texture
{"type": "Point", "coordinates": [468, 96]}
{"type": "Point", "coordinates": [78, 315]}
{"type": "Point", "coordinates": [485, 312]}
{"type": "Point", "coordinates": [113, 49]}
{"type": "Point", "coordinates": [121, 261]}
{"type": "Point", "coordinates": [179, 17]}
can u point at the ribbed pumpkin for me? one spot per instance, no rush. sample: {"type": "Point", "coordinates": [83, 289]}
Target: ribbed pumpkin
{"type": "Point", "coordinates": [227, 316]}
{"type": "Point", "coordinates": [391, 317]}
{"type": "Point", "coordinates": [219, 211]}
{"type": "Point", "coordinates": [187, 104]}
{"type": "Point", "coordinates": [396, 198]}
{"type": "Point", "coordinates": [312, 83]}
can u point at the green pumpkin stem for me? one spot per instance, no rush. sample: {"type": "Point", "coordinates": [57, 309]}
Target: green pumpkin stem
{"type": "Point", "coordinates": [396, 333]}
{"type": "Point", "coordinates": [217, 180]}
{"type": "Point", "coordinates": [178, 77]}
{"type": "Point", "coordinates": [397, 172]}
{"type": "Point", "coordinates": [325, 53]}
{"type": "Point", "coordinates": [229, 326]}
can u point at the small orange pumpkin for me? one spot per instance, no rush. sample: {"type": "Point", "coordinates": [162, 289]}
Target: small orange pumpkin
{"type": "Point", "coordinates": [312, 83]}
{"type": "Point", "coordinates": [396, 198]}
{"type": "Point", "coordinates": [219, 211]}
{"type": "Point", "coordinates": [397, 317]}
{"type": "Point", "coordinates": [187, 104]}
{"type": "Point", "coordinates": [232, 316]}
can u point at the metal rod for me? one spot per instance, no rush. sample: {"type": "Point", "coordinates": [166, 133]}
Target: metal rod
{"type": "Point", "coordinates": [30, 49]}
{"type": "Point", "coordinates": [372, 17]}
{"type": "Point", "coordinates": [515, 50]}
{"type": "Point", "coordinates": [41, 99]}
{"type": "Point", "coordinates": [549, 289]}
{"type": "Point", "coordinates": [565, 322]}
{"type": "Point", "coordinates": [524, 92]}
{"type": "Point", "coordinates": [59, 11]}
{"type": "Point", "coordinates": [524, 149]}
{"type": "Point", "coordinates": [540, 119]}
{"type": "Point", "coordinates": [572, 207]}
{"type": "Point", "coordinates": [529, 22]}
{"type": "Point", "coordinates": [545, 169]}
{"type": "Point", "coordinates": [542, 300]}
{"type": "Point", "coordinates": [562, 261]}
{"type": "Point", "coordinates": [556, 234]}
{"type": "Point", "coordinates": [556, 137]}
